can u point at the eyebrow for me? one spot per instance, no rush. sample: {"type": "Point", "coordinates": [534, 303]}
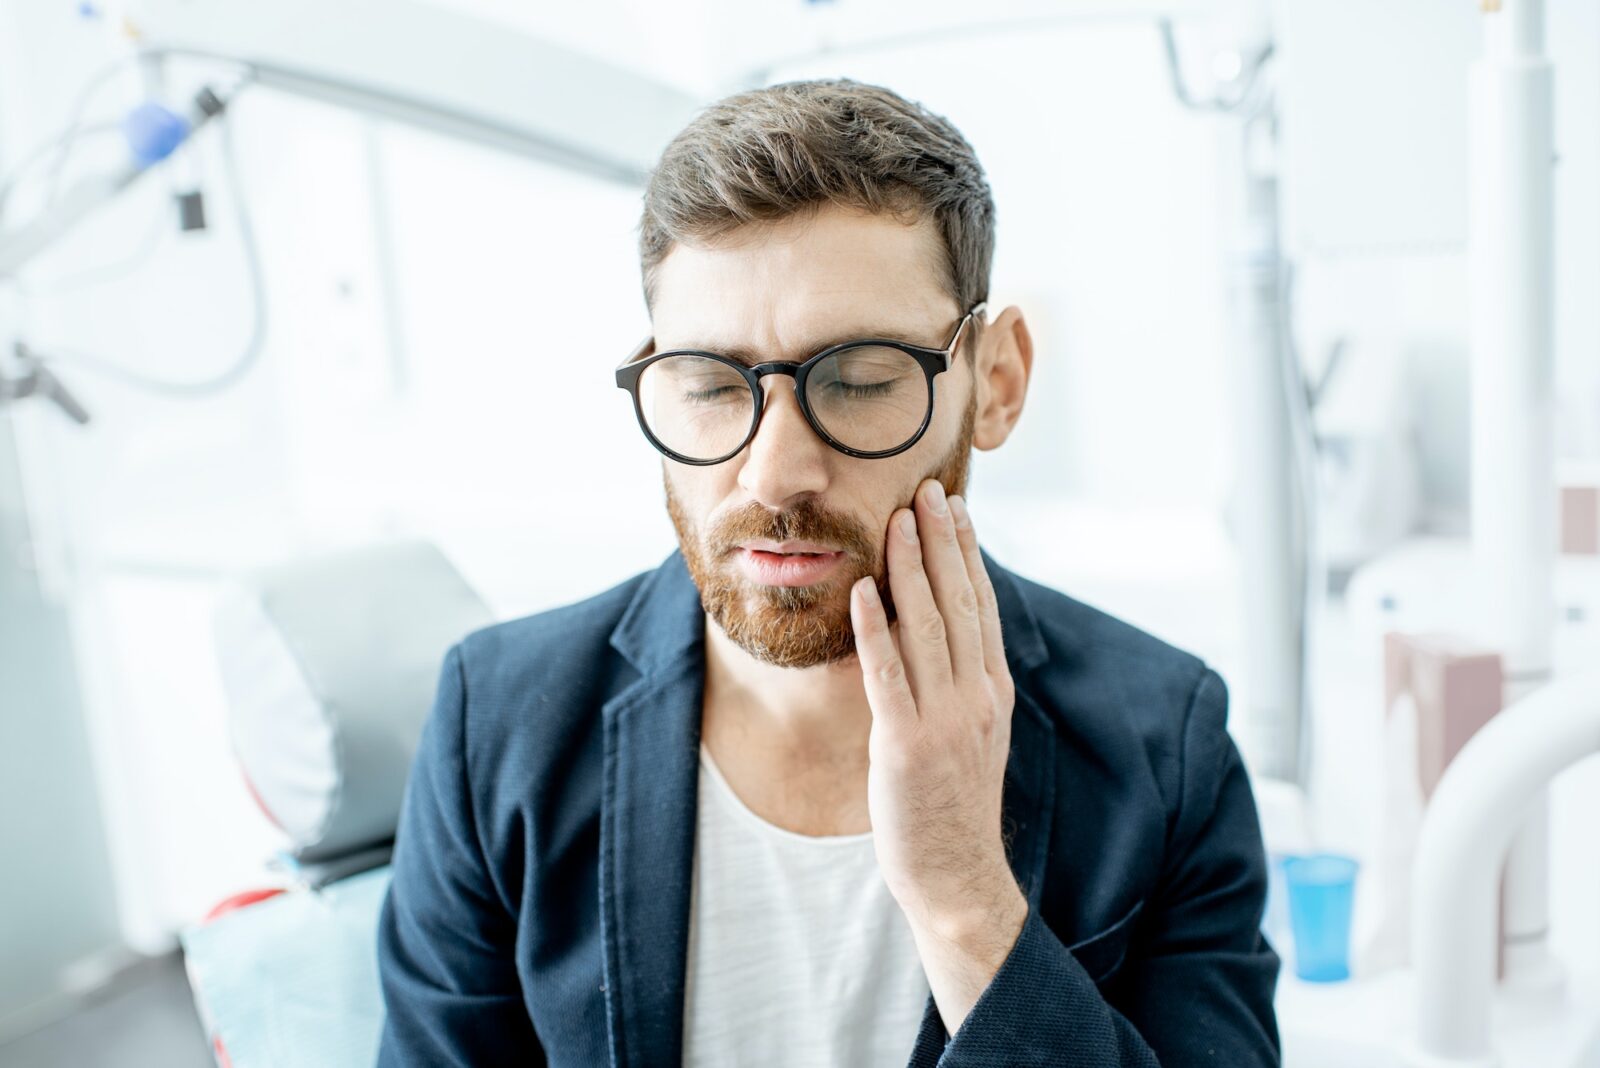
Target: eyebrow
{"type": "Point", "coordinates": [750, 356]}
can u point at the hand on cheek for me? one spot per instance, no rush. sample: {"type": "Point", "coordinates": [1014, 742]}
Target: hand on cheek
{"type": "Point", "coordinates": [941, 696]}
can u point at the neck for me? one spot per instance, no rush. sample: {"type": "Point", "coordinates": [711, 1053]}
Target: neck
{"type": "Point", "coordinates": [821, 709]}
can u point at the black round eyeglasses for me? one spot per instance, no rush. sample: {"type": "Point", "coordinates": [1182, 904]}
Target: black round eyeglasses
{"type": "Point", "coordinates": [868, 398]}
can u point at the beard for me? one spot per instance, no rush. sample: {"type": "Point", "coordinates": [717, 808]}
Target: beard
{"type": "Point", "coordinates": [799, 626]}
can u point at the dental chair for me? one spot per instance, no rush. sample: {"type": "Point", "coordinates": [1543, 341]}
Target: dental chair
{"type": "Point", "coordinates": [330, 666]}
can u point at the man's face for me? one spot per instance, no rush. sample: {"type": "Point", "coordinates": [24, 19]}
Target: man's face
{"type": "Point", "coordinates": [786, 291]}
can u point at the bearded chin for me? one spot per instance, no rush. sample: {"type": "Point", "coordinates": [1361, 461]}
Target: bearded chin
{"type": "Point", "coordinates": [790, 626]}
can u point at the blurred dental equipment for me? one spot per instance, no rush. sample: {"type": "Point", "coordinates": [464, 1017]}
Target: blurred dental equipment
{"type": "Point", "coordinates": [1487, 991]}
{"type": "Point", "coordinates": [1484, 811]}
{"type": "Point", "coordinates": [1493, 806]}
{"type": "Point", "coordinates": [34, 378]}
{"type": "Point", "coordinates": [330, 665]}
{"type": "Point", "coordinates": [152, 133]}
{"type": "Point", "coordinates": [1271, 510]}
{"type": "Point", "coordinates": [518, 94]}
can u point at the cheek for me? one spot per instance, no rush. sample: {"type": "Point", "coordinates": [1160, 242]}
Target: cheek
{"type": "Point", "coordinates": [696, 486]}
{"type": "Point", "coordinates": [700, 494]}
{"type": "Point", "coordinates": [892, 490]}
{"type": "Point", "coordinates": [949, 409]}
{"type": "Point", "coordinates": [683, 496]}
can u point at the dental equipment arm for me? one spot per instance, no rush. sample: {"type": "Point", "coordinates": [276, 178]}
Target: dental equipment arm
{"type": "Point", "coordinates": [1483, 800]}
{"type": "Point", "coordinates": [36, 379]}
{"type": "Point", "coordinates": [453, 73]}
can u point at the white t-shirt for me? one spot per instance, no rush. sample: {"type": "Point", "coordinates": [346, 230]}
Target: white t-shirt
{"type": "Point", "coordinates": [798, 954]}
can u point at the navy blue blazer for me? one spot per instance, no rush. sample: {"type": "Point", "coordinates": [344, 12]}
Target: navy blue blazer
{"type": "Point", "coordinates": [539, 908]}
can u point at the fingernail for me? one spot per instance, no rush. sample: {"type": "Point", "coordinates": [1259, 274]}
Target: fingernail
{"type": "Point", "coordinates": [958, 508]}
{"type": "Point", "coordinates": [934, 495]}
{"type": "Point", "coordinates": [869, 590]}
{"type": "Point", "coordinates": [908, 526]}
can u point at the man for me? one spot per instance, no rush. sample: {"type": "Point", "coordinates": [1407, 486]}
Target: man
{"type": "Point", "coordinates": [829, 785]}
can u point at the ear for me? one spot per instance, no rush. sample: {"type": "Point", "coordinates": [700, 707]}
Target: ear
{"type": "Point", "coordinates": [1003, 366]}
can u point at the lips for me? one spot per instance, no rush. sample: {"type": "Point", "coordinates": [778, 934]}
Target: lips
{"type": "Point", "coordinates": [787, 569]}
{"type": "Point", "coordinates": [789, 548]}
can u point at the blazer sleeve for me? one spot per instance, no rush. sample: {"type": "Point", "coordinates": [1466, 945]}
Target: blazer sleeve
{"type": "Point", "coordinates": [1198, 982]}
{"type": "Point", "coordinates": [445, 961]}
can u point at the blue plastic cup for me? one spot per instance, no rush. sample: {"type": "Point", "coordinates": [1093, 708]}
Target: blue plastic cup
{"type": "Point", "coordinates": [1321, 899]}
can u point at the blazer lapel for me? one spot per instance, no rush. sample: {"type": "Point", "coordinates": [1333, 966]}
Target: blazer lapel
{"type": "Point", "coordinates": [647, 818]}
{"type": "Point", "coordinates": [648, 798]}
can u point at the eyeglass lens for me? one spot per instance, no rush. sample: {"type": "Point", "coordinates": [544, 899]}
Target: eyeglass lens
{"type": "Point", "coordinates": [870, 398]}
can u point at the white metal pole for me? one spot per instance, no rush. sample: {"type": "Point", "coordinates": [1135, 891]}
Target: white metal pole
{"type": "Point", "coordinates": [1263, 508]}
{"type": "Point", "coordinates": [1513, 407]}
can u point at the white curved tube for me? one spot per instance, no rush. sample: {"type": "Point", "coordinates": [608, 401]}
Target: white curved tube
{"type": "Point", "coordinates": [1484, 797]}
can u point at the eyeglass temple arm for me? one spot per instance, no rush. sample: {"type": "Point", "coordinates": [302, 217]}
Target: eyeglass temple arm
{"type": "Point", "coordinates": [961, 328]}
{"type": "Point", "coordinates": [639, 350]}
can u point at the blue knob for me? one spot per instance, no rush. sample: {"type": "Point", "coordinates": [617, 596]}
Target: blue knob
{"type": "Point", "coordinates": [154, 132]}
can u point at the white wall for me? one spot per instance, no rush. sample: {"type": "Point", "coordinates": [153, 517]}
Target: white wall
{"type": "Point", "coordinates": [58, 910]}
{"type": "Point", "coordinates": [57, 907]}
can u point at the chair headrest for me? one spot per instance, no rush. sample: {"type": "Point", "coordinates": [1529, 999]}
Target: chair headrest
{"type": "Point", "coordinates": [330, 665]}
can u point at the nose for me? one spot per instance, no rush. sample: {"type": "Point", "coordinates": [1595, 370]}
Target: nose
{"type": "Point", "coordinates": [786, 459]}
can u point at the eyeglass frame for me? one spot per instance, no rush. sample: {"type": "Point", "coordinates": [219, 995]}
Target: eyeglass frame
{"type": "Point", "coordinates": [932, 361]}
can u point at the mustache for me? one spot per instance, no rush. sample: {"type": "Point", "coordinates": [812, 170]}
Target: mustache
{"type": "Point", "coordinates": [807, 521]}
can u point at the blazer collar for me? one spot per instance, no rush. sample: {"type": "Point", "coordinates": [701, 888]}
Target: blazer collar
{"type": "Point", "coordinates": [648, 802]}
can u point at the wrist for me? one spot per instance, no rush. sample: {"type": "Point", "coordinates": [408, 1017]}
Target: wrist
{"type": "Point", "coordinates": [978, 923]}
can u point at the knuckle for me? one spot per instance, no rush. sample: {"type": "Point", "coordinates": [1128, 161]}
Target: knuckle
{"type": "Point", "coordinates": [967, 602]}
{"type": "Point", "coordinates": [891, 672]}
{"type": "Point", "coordinates": [930, 628]}
{"type": "Point", "coordinates": [1004, 689]}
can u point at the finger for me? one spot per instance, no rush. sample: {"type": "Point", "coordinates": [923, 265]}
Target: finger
{"type": "Point", "coordinates": [952, 586]}
{"type": "Point", "coordinates": [924, 645]}
{"type": "Point", "coordinates": [994, 652]}
{"type": "Point", "coordinates": [882, 671]}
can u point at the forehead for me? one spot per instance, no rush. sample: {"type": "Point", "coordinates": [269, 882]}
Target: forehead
{"type": "Point", "coordinates": [803, 282]}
